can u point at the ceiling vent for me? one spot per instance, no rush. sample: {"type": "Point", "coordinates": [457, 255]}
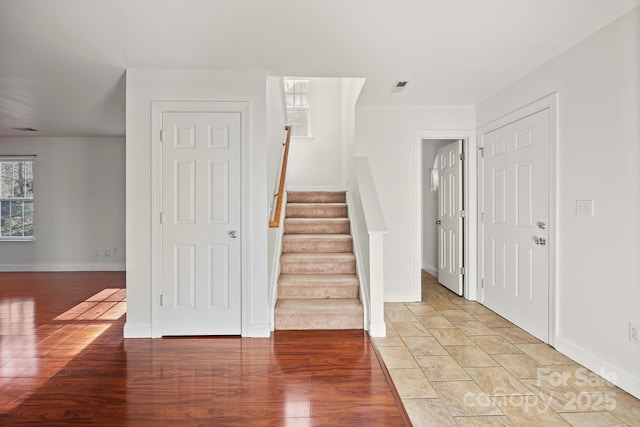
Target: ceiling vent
{"type": "Point", "coordinates": [27, 129]}
{"type": "Point", "coordinates": [399, 86]}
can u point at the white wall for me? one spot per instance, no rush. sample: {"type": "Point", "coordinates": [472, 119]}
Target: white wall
{"type": "Point", "coordinates": [79, 205]}
{"type": "Point", "coordinates": [276, 120]}
{"type": "Point", "coordinates": [598, 273]}
{"type": "Point", "coordinates": [430, 149]}
{"type": "Point", "coordinates": [385, 134]}
{"type": "Point", "coordinates": [350, 92]}
{"type": "Point", "coordinates": [318, 163]}
{"type": "Point", "coordinates": [145, 86]}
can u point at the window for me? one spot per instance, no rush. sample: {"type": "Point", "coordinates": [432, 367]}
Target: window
{"type": "Point", "coordinates": [297, 98]}
{"type": "Point", "coordinates": [16, 198]}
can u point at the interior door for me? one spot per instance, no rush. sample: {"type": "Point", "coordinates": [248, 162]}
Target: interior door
{"type": "Point", "coordinates": [450, 217]}
{"type": "Point", "coordinates": [515, 208]}
{"type": "Point", "coordinates": [201, 252]}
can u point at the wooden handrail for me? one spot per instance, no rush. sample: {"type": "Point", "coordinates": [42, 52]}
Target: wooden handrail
{"type": "Point", "coordinates": [275, 222]}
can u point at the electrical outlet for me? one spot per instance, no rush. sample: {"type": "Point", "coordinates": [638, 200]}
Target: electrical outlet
{"type": "Point", "coordinates": [107, 252]}
{"type": "Point", "coordinates": [634, 332]}
{"type": "Point", "coordinates": [584, 207]}
{"type": "Point", "coordinates": [114, 251]}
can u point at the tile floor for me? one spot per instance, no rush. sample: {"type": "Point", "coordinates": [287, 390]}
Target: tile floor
{"type": "Point", "coordinates": [456, 363]}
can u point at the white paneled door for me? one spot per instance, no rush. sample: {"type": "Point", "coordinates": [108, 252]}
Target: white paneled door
{"type": "Point", "coordinates": [515, 207]}
{"type": "Point", "coordinates": [450, 217]}
{"type": "Point", "coordinates": [201, 251]}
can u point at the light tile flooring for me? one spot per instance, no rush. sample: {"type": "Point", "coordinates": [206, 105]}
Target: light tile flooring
{"type": "Point", "coordinates": [456, 363]}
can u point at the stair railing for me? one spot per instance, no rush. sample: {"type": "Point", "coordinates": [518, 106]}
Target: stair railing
{"type": "Point", "coordinates": [274, 220]}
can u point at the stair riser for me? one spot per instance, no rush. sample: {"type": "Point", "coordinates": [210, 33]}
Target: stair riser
{"type": "Point", "coordinates": [319, 321]}
{"type": "Point", "coordinates": [315, 197]}
{"type": "Point", "coordinates": [317, 246]}
{"type": "Point", "coordinates": [328, 267]}
{"type": "Point", "coordinates": [306, 292]}
{"type": "Point", "coordinates": [291, 226]}
{"type": "Point", "coordinates": [316, 211]}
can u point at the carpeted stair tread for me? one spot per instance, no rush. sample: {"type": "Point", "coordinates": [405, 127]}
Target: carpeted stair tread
{"type": "Point", "coordinates": [316, 210]}
{"type": "Point", "coordinates": [318, 279]}
{"type": "Point", "coordinates": [318, 286]}
{"type": "Point", "coordinates": [316, 226]}
{"type": "Point", "coordinates": [313, 306]}
{"type": "Point", "coordinates": [317, 243]}
{"type": "Point", "coordinates": [318, 314]}
{"type": "Point", "coordinates": [317, 263]}
{"type": "Point", "coordinates": [318, 257]}
{"type": "Point", "coordinates": [316, 197]}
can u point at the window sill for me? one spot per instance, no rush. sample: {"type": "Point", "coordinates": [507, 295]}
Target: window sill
{"type": "Point", "coordinates": [17, 239]}
{"type": "Point", "coordinates": [302, 138]}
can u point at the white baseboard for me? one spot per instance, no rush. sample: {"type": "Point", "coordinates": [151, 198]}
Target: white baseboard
{"type": "Point", "coordinates": [621, 377]}
{"type": "Point", "coordinates": [141, 330]}
{"type": "Point", "coordinates": [62, 267]}
{"type": "Point", "coordinates": [399, 297]}
{"type": "Point", "coordinates": [378, 329]}
{"type": "Point", "coordinates": [262, 330]}
{"type": "Point", "coordinates": [430, 269]}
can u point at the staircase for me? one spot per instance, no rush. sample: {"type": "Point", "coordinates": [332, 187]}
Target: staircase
{"type": "Point", "coordinates": [317, 287]}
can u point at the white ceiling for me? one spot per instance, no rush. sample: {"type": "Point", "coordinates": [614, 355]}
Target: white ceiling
{"type": "Point", "coordinates": [62, 62]}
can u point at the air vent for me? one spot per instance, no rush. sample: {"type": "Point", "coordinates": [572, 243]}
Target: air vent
{"type": "Point", "coordinates": [27, 129]}
{"type": "Point", "coordinates": [399, 86]}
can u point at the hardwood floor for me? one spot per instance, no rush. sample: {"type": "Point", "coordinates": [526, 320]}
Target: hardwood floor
{"type": "Point", "coordinates": [63, 361]}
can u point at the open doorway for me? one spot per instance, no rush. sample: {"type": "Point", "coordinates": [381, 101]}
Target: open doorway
{"type": "Point", "coordinates": [428, 241]}
{"type": "Point", "coordinates": [443, 212]}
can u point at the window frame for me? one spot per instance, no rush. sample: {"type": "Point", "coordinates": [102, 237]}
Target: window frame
{"type": "Point", "coordinates": [298, 108]}
{"type": "Point", "coordinates": [32, 160]}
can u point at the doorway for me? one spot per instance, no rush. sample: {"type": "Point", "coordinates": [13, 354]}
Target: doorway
{"type": "Point", "coordinates": [198, 171]}
{"type": "Point", "coordinates": [517, 205]}
{"type": "Point", "coordinates": [442, 210]}
{"type": "Point", "coordinates": [462, 266]}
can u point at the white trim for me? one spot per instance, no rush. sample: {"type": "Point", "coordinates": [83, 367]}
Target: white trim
{"type": "Point", "coordinates": [377, 324]}
{"type": "Point", "coordinates": [549, 102]}
{"type": "Point", "coordinates": [399, 296]}
{"type": "Point", "coordinates": [365, 294]}
{"type": "Point", "coordinates": [622, 378]}
{"type": "Point", "coordinates": [257, 330]}
{"type": "Point", "coordinates": [275, 268]}
{"type": "Point", "coordinates": [376, 227]}
{"type": "Point", "coordinates": [62, 267]}
{"type": "Point", "coordinates": [142, 330]}
{"type": "Point", "coordinates": [302, 139]}
{"type": "Point", "coordinates": [430, 269]}
{"type": "Point", "coordinates": [158, 108]}
{"type": "Point", "coordinates": [320, 188]}
{"type": "Point", "coordinates": [23, 158]}
{"type": "Point", "coordinates": [468, 136]}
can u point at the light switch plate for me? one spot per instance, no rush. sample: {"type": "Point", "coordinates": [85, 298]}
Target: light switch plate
{"type": "Point", "coordinates": [584, 208]}
{"type": "Point", "coordinates": [634, 332]}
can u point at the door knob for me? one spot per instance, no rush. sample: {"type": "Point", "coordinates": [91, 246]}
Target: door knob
{"type": "Point", "coordinates": [540, 241]}
{"type": "Point", "coordinates": [438, 222]}
{"type": "Point", "coordinates": [542, 225]}
{"type": "Point", "coordinates": [233, 234]}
